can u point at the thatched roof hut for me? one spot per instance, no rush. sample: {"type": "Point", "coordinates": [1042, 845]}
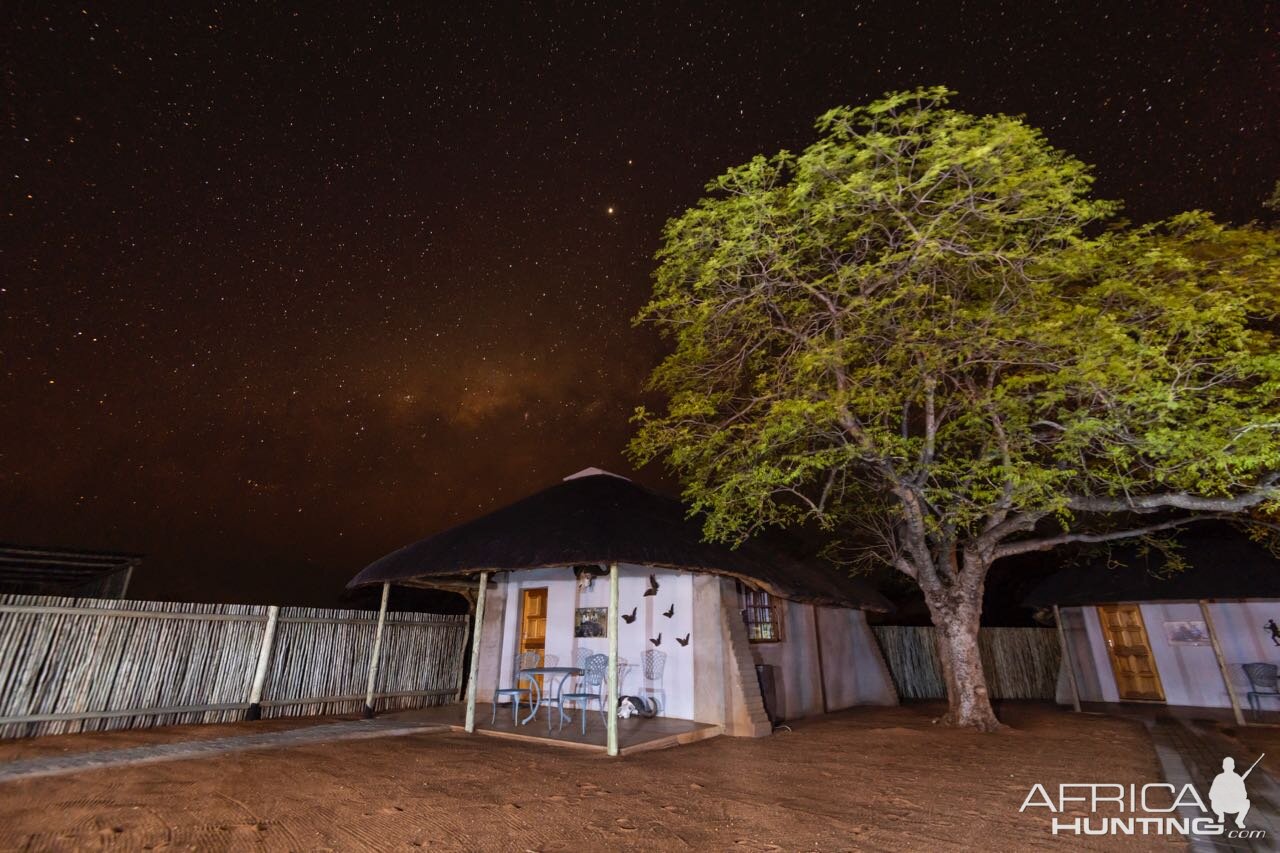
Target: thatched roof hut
{"type": "Point", "coordinates": [599, 518]}
{"type": "Point", "coordinates": [1220, 563]}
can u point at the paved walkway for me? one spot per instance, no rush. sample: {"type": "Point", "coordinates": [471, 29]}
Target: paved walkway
{"type": "Point", "coordinates": [1192, 752]}
{"type": "Point", "coordinates": [348, 730]}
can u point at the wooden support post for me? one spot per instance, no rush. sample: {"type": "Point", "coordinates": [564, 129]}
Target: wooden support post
{"type": "Point", "coordinates": [475, 654]}
{"type": "Point", "coordinates": [128, 576]}
{"type": "Point", "coordinates": [264, 661]}
{"type": "Point", "coordinates": [611, 707]}
{"type": "Point", "coordinates": [377, 649]}
{"type": "Point", "coordinates": [1222, 664]}
{"type": "Point", "coordinates": [1067, 660]}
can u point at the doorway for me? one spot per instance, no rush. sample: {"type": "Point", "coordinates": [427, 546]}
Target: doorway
{"type": "Point", "coordinates": [533, 623]}
{"type": "Point", "coordinates": [1137, 678]}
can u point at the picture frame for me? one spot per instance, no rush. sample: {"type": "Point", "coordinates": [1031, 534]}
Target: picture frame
{"type": "Point", "coordinates": [1186, 632]}
{"type": "Point", "coordinates": [591, 622]}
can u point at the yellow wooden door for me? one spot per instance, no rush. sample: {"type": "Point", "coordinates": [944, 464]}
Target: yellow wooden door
{"type": "Point", "coordinates": [1130, 651]}
{"type": "Point", "coordinates": [533, 622]}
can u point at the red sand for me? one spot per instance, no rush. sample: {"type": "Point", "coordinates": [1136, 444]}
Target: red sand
{"type": "Point", "coordinates": [868, 779]}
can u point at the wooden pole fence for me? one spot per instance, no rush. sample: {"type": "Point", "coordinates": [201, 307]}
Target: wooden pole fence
{"type": "Point", "coordinates": [75, 664]}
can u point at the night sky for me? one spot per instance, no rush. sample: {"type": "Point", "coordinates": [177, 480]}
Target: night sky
{"type": "Point", "coordinates": [281, 291]}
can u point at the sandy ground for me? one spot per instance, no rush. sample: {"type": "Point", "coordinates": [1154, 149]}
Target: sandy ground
{"type": "Point", "coordinates": [868, 779]}
{"type": "Point", "coordinates": [1264, 739]}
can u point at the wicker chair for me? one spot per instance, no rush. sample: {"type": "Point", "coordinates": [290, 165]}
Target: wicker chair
{"type": "Point", "coordinates": [653, 662]}
{"type": "Point", "coordinates": [524, 660]}
{"type": "Point", "coordinates": [1262, 682]}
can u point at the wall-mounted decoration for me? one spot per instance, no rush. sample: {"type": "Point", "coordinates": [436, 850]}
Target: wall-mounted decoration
{"type": "Point", "coordinates": [656, 642]}
{"type": "Point", "coordinates": [1273, 630]}
{"type": "Point", "coordinates": [591, 622]}
{"type": "Point", "coordinates": [670, 611]}
{"type": "Point", "coordinates": [587, 574]}
{"type": "Point", "coordinates": [1186, 633]}
{"type": "Point", "coordinates": [653, 586]}
{"type": "Point", "coordinates": [630, 617]}
{"type": "Point", "coordinates": [684, 641]}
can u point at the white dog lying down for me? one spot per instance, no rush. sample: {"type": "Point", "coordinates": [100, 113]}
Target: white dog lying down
{"type": "Point", "coordinates": [629, 706]}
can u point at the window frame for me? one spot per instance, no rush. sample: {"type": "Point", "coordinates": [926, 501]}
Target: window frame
{"type": "Point", "coordinates": [754, 603]}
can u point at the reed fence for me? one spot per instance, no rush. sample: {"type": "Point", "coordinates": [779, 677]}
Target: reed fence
{"type": "Point", "coordinates": [84, 664]}
{"type": "Point", "coordinates": [1020, 663]}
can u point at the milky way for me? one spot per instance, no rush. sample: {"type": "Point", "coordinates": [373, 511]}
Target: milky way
{"type": "Point", "coordinates": [280, 292]}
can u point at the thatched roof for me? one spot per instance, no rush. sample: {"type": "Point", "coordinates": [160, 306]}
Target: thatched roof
{"type": "Point", "coordinates": [599, 518]}
{"type": "Point", "coordinates": [1220, 563]}
{"type": "Point", "coordinates": [33, 570]}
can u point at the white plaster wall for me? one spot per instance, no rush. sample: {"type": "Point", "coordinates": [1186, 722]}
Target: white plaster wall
{"type": "Point", "coordinates": [1094, 676]}
{"type": "Point", "coordinates": [1189, 674]}
{"type": "Point", "coordinates": [1244, 639]}
{"type": "Point", "coordinates": [855, 673]}
{"type": "Point", "coordinates": [795, 662]}
{"type": "Point", "coordinates": [713, 701]}
{"type": "Point", "coordinates": [564, 597]}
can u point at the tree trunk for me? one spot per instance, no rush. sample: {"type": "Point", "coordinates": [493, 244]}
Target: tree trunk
{"type": "Point", "coordinates": [956, 615]}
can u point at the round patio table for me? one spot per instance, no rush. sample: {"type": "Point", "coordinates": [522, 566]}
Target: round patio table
{"type": "Point", "coordinates": [565, 672]}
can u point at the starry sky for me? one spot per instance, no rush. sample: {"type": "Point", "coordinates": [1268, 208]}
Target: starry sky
{"type": "Point", "coordinates": [284, 287]}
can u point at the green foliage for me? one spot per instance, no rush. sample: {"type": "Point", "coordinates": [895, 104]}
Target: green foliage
{"type": "Point", "coordinates": [922, 314]}
{"type": "Point", "coordinates": [1273, 200]}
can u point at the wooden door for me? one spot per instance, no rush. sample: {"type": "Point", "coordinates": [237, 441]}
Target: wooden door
{"type": "Point", "coordinates": [533, 622]}
{"type": "Point", "coordinates": [1131, 659]}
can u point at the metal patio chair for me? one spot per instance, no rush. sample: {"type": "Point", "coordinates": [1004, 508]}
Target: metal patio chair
{"type": "Point", "coordinates": [589, 687]}
{"type": "Point", "coordinates": [1263, 679]}
{"type": "Point", "coordinates": [652, 664]}
{"type": "Point", "coordinates": [524, 660]}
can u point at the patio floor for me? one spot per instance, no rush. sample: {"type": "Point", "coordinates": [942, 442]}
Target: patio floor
{"type": "Point", "coordinates": [635, 734]}
{"type": "Point", "coordinates": [1153, 710]}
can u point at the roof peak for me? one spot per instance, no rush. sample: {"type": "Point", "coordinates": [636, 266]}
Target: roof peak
{"type": "Point", "coordinates": [594, 472]}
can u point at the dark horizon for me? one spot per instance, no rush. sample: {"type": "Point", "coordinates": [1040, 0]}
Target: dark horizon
{"type": "Point", "coordinates": [282, 292]}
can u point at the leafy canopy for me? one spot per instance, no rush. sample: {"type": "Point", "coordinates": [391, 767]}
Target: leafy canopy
{"type": "Point", "coordinates": [916, 311]}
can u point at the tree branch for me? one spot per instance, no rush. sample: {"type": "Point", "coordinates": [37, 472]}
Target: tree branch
{"type": "Point", "coordinates": [1265, 490]}
{"type": "Point", "coordinates": [1011, 549]}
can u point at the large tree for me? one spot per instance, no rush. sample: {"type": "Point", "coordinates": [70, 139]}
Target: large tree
{"type": "Point", "coordinates": [919, 333]}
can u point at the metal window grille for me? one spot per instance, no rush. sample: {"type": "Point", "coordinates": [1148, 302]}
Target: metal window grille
{"type": "Point", "coordinates": [762, 617]}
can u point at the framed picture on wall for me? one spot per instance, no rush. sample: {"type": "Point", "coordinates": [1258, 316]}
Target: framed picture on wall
{"type": "Point", "coordinates": [1186, 633]}
{"type": "Point", "coordinates": [591, 622]}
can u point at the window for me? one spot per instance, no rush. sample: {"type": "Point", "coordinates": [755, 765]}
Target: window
{"type": "Point", "coordinates": [761, 615]}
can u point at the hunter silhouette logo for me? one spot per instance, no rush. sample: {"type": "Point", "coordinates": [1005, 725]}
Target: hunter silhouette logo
{"type": "Point", "coordinates": [1157, 808]}
{"type": "Point", "coordinates": [1227, 793]}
